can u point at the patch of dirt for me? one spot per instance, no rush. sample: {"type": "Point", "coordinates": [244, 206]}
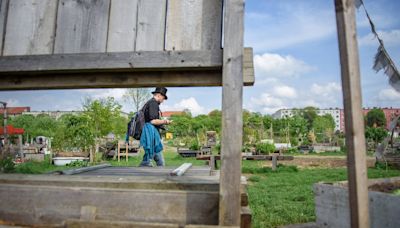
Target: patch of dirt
{"type": "Point", "coordinates": [321, 161]}
{"type": "Point", "coordinates": [385, 187]}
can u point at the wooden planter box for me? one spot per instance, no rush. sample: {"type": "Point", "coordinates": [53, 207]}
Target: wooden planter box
{"type": "Point", "coordinates": [332, 204]}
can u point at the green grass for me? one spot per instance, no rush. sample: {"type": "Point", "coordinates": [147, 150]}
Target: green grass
{"type": "Point", "coordinates": [34, 167]}
{"type": "Point", "coordinates": [286, 196]}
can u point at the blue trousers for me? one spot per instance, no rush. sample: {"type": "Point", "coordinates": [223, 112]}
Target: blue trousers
{"type": "Point", "coordinates": [158, 158]}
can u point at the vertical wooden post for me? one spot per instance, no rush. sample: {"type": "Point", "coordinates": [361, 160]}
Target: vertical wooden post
{"type": "Point", "coordinates": [126, 152]}
{"type": "Point", "coordinates": [354, 121]}
{"type": "Point", "coordinates": [274, 162]}
{"type": "Point", "coordinates": [232, 91]}
{"type": "Point", "coordinates": [118, 151]}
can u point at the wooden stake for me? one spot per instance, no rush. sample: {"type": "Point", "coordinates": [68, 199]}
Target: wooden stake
{"type": "Point", "coordinates": [126, 152]}
{"type": "Point", "coordinates": [232, 122]}
{"type": "Point", "coordinates": [118, 151]}
{"type": "Point", "coordinates": [354, 121]}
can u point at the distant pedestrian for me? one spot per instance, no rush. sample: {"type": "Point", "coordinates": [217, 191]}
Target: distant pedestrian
{"type": "Point", "coordinates": [150, 139]}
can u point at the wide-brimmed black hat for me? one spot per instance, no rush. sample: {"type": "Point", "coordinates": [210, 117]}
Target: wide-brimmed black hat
{"type": "Point", "coordinates": [162, 91]}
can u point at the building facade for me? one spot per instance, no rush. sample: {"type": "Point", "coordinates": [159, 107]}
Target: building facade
{"type": "Point", "coordinates": [338, 115]}
{"type": "Point", "coordinates": [334, 112]}
{"type": "Point", "coordinates": [15, 111]}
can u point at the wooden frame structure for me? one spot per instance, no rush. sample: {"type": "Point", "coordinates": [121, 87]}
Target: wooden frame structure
{"type": "Point", "coordinates": [57, 45]}
{"type": "Point", "coordinates": [67, 44]}
{"type": "Point", "coordinates": [354, 123]}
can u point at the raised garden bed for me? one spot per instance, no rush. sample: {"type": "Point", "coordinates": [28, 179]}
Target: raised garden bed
{"type": "Point", "coordinates": [332, 204]}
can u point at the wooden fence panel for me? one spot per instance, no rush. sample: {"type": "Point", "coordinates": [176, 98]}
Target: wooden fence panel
{"type": "Point", "coordinates": [122, 26]}
{"type": "Point", "coordinates": [30, 27]}
{"type": "Point", "coordinates": [82, 26]}
{"type": "Point", "coordinates": [151, 25]}
{"type": "Point", "coordinates": [194, 25]}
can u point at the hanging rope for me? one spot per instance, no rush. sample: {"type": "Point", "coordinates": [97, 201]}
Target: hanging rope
{"type": "Point", "coordinates": [382, 58]}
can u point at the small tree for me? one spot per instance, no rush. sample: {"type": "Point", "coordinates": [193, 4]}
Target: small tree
{"type": "Point", "coordinates": [376, 118]}
{"type": "Point", "coordinates": [376, 134]}
{"type": "Point", "coordinates": [138, 96]}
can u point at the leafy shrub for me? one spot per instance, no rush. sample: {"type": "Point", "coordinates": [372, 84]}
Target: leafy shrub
{"type": "Point", "coordinates": [77, 164]}
{"type": "Point", "coordinates": [265, 148]}
{"type": "Point", "coordinates": [7, 165]}
{"type": "Point", "coordinates": [194, 145]}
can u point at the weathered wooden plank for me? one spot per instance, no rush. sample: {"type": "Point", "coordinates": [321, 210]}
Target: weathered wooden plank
{"type": "Point", "coordinates": [82, 26]}
{"type": "Point", "coordinates": [232, 122]}
{"type": "Point", "coordinates": [112, 80]}
{"type": "Point", "coordinates": [118, 61]}
{"type": "Point", "coordinates": [181, 169]}
{"type": "Point", "coordinates": [84, 169]}
{"type": "Point", "coordinates": [189, 183]}
{"type": "Point", "coordinates": [355, 137]}
{"type": "Point", "coordinates": [88, 213]}
{"type": "Point", "coordinates": [29, 205]}
{"type": "Point", "coordinates": [194, 25]}
{"type": "Point", "coordinates": [332, 207]}
{"type": "Point", "coordinates": [122, 26]}
{"type": "Point", "coordinates": [151, 25]}
{"type": "Point", "coordinates": [75, 223]}
{"type": "Point", "coordinates": [3, 16]}
{"type": "Point", "coordinates": [245, 217]}
{"type": "Point", "coordinates": [248, 65]}
{"type": "Point", "coordinates": [30, 28]}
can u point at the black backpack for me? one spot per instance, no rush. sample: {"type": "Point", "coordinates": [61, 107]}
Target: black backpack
{"type": "Point", "coordinates": [135, 126]}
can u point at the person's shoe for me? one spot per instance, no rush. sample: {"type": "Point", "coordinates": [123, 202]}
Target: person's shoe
{"type": "Point", "coordinates": [146, 165]}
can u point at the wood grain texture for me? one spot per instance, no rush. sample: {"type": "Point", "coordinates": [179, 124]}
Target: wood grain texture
{"type": "Point", "coordinates": [151, 25]}
{"type": "Point", "coordinates": [122, 26]}
{"type": "Point", "coordinates": [194, 25]}
{"type": "Point", "coordinates": [248, 66]}
{"type": "Point", "coordinates": [112, 80]}
{"type": "Point", "coordinates": [232, 122]}
{"type": "Point", "coordinates": [3, 14]}
{"type": "Point", "coordinates": [354, 125]}
{"type": "Point", "coordinates": [117, 61]}
{"type": "Point", "coordinates": [30, 27]}
{"type": "Point", "coordinates": [82, 26]}
{"type": "Point", "coordinates": [53, 205]}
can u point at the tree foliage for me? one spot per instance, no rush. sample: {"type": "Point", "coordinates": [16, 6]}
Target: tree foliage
{"type": "Point", "coordinates": [376, 118]}
{"type": "Point", "coordinates": [376, 134]}
{"type": "Point", "coordinates": [103, 116]}
{"type": "Point", "coordinates": [324, 127]}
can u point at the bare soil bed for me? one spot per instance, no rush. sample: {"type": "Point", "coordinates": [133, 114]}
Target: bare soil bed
{"type": "Point", "coordinates": [321, 161]}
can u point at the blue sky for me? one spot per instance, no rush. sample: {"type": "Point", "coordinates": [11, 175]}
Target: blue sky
{"type": "Point", "coordinates": [296, 62]}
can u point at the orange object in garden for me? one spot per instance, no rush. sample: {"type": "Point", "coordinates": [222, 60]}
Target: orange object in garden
{"type": "Point", "coordinates": [12, 131]}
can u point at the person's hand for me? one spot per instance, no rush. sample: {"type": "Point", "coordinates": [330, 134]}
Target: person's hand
{"type": "Point", "coordinates": [167, 121]}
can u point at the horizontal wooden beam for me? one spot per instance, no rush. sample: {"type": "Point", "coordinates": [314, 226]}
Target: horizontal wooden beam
{"type": "Point", "coordinates": [117, 70]}
{"type": "Point", "coordinates": [112, 61]}
{"type": "Point", "coordinates": [111, 80]}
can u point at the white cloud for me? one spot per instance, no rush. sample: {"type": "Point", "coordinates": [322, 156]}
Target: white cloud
{"type": "Point", "coordinates": [285, 91]}
{"type": "Point", "coordinates": [267, 100]}
{"type": "Point", "coordinates": [189, 103]}
{"type": "Point", "coordinates": [275, 65]}
{"type": "Point", "coordinates": [332, 88]}
{"type": "Point", "coordinates": [103, 93]}
{"type": "Point", "coordinates": [389, 95]}
{"type": "Point", "coordinates": [12, 103]}
{"type": "Point", "coordinates": [390, 38]}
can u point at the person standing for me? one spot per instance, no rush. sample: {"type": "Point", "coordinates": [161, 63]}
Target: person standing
{"type": "Point", "coordinates": [150, 139]}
